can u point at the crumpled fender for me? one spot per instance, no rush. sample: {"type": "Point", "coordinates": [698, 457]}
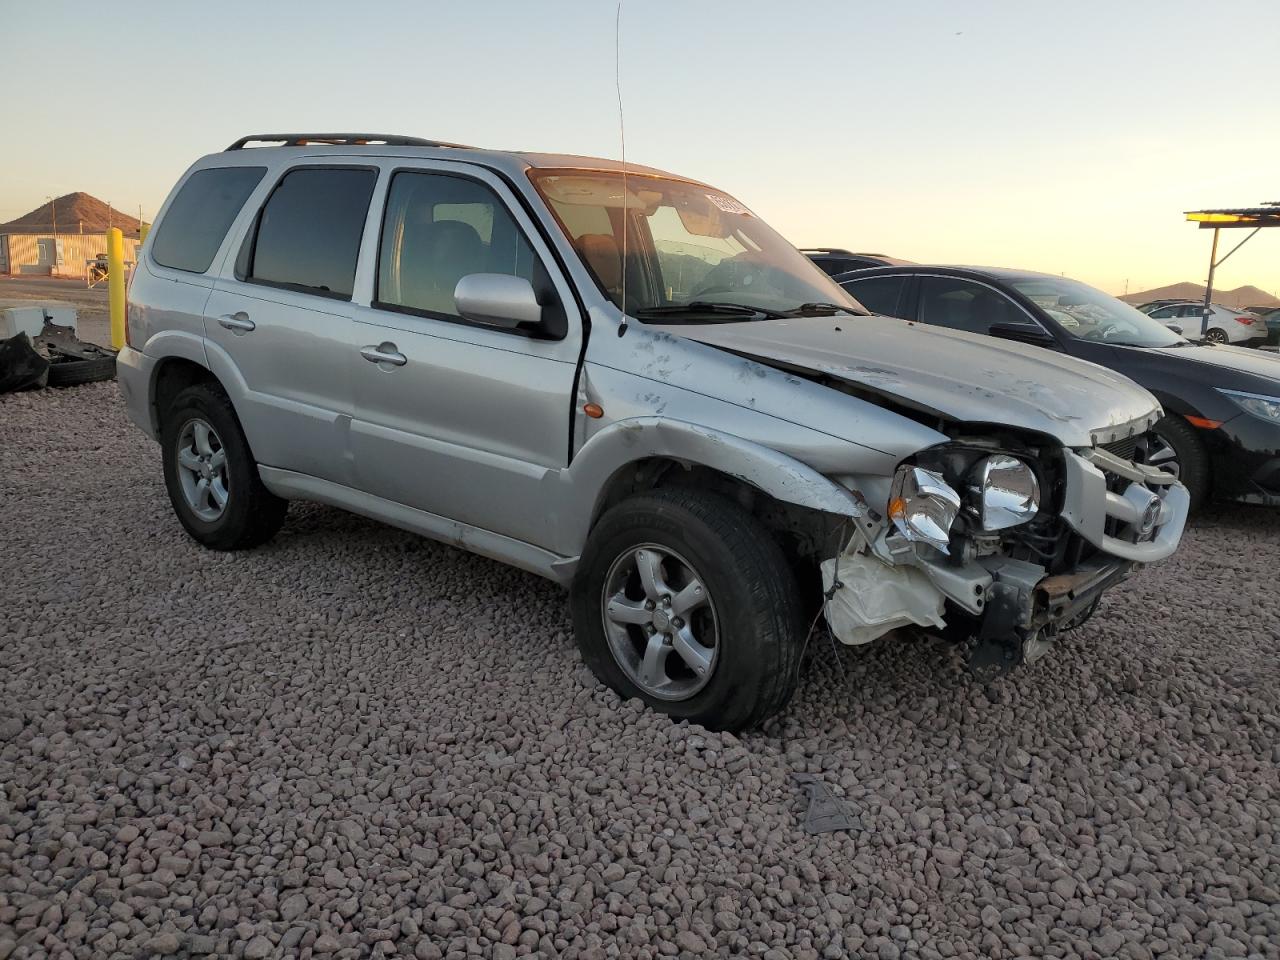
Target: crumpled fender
{"type": "Point", "coordinates": [639, 438]}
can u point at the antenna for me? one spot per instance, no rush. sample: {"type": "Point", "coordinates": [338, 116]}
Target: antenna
{"type": "Point", "coordinates": [622, 136]}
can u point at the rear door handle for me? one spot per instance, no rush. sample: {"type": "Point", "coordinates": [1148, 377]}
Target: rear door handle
{"type": "Point", "coordinates": [384, 353]}
{"type": "Point", "coordinates": [237, 322]}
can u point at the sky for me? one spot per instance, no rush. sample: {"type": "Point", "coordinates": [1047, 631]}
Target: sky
{"type": "Point", "coordinates": [1064, 137]}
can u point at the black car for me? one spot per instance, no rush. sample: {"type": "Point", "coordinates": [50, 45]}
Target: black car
{"type": "Point", "coordinates": [834, 261]}
{"type": "Point", "coordinates": [1221, 432]}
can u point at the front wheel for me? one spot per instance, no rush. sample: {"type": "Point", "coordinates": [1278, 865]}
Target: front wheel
{"type": "Point", "coordinates": [1178, 450]}
{"type": "Point", "coordinates": [685, 600]}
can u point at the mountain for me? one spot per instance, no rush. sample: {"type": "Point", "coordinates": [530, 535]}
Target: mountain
{"type": "Point", "coordinates": [1247, 296]}
{"type": "Point", "coordinates": [76, 213]}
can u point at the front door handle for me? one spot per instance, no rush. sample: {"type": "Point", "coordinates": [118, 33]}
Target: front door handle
{"type": "Point", "coordinates": [384, 353]}
{"type": "Point", "coordinates": [237, 322]}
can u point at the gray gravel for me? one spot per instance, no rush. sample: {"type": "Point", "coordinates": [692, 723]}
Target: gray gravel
{"type": "Point", "coordinates": [356, 742]}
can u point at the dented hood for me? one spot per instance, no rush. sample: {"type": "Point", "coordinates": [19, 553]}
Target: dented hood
{"type": "Point", "coordinates": [961, 376]}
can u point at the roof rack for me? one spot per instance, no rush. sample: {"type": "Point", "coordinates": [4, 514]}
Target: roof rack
{"type": "Point", "coordinates": [338, 139]}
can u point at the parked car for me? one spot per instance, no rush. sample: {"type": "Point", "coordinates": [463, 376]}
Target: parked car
{"type": "Point", "coordinates": [833, 260]}
{"type": "Point", "coordinates": [1221, 432]}
{"type": "Point", "coordinates": [1226, 324]}
{"type": "Point", "coordinates": [699, 437]}
{"type": "Point", "coordinates": [1271, 317]}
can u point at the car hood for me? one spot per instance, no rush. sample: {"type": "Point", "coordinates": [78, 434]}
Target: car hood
{"type": "Point", "coordinates": [1259, 363]}
{"type": "Point", "coordinates": [960, 376]}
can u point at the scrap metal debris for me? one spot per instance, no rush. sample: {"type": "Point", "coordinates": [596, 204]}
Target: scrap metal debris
{"type": "Point", "coordinates": [827, 813]}
{"type": "Point", "coordinates": [21, 367]}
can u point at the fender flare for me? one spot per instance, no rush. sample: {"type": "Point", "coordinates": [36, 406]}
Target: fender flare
{"type": "Point", "coordinates": [640, 438]}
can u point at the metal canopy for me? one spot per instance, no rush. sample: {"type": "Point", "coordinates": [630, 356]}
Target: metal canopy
{"type": "Point", "coordinates": [1252, 218]}
{"type": "Point", "coordinates": [1265, 216]}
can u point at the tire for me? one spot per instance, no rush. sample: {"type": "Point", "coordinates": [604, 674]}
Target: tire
{"type": "Point", "coordinates": [1216, 335]}
{"type": "Point", "coordinates": [753, 630]}
{"type": "Point", "coordinates": [1193, 462]}
{"type": "Point", "coordinates": [250, 514]}
{"type": "Point", "coordinates": [70, 373]}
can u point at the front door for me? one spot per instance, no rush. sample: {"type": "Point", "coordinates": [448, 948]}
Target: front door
{"type": "Point", "coordinates": [283, 322]}
{"type": "Point", "coordinates": [464, 420]}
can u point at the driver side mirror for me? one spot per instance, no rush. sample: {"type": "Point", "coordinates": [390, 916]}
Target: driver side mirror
{"type": "Point", "coordinates": [1175, 328]}
{"type": "Point", "coordinates": [497, 299]}
{"type": "Point", "coordinates": [1023, 333]}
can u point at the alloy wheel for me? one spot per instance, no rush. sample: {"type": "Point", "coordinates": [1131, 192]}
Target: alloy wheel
{"type": "Point", "coordinates": [660, 622]}
{"type": "Point", "coordinates": [202, 469]}
{"type": "Point", "coordinates": [1160, 453]}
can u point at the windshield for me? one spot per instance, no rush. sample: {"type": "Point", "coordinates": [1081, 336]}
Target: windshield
{"type": "Point", "coordinates": [1090, 314]}
{"type": "Point", "coordinates": [684, 243]}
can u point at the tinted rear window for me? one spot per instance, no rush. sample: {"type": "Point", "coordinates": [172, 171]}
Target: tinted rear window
{"type": "Point", "coordinates": [200, 215]}
{"type": "Point", "coordinates": [309, 232]}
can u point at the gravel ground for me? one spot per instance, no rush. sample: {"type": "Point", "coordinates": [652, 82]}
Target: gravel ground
{"type": "Point", "coordinates": [356, 742]}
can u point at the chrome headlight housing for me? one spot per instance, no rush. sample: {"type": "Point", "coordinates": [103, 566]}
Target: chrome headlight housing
{"type": "Point", "coordinates": [1260, 405]}
{"type": "Point", "coordinates": [1008, 492]}
{"type": "Point", "coordinates": [923, 506]}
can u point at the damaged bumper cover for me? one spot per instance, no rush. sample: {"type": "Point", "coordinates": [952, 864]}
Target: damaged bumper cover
{"type": "Point", "coordinates": [1129, 512]}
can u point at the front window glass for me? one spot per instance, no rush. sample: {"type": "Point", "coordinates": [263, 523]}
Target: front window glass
{"type": "Point", "coordinates": [1090, 314]}
{"type": "Point", "coordinates": [684, 243]}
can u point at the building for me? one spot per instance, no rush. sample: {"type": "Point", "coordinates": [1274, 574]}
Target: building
{"type": "Point", "coordinates": [58, 238]}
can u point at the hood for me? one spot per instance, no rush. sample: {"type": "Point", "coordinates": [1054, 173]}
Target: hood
{"type": "Point", "coordinates": [1259, 363]}
{"type": "Point", "coordinates": [960, 376]}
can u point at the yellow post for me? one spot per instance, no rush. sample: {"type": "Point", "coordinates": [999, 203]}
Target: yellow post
{"type": "Point", "coordinates": [115, 285]}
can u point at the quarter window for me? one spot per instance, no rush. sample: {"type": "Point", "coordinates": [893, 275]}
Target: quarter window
{"type": "Point", "coordinates": [309, 232]}
{"type": "Point", "coordinates": [439, 228]}
{"type": "Point", "coordinates": [198, 218]}
{"type": "Point", "coordinates": [882, 295]}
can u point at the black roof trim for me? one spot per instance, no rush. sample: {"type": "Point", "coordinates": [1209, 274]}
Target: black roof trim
{"type": "Point", "coordinates": [338, 139]}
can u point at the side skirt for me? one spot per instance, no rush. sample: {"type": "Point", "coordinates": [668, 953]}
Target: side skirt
{"type": "Point", "coordinates": [517, 553]}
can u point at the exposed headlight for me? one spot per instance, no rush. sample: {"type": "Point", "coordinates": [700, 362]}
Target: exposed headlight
{"type": "Point", "coordinates": [1008, 492]}
{"type": "Point", "coordinates": [1268, 408]}
{"type": "Point", "coordinates": [922, 506]}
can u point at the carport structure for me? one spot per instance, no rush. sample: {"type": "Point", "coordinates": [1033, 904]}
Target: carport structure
{"type": "Point", "coordinates": [1257, 218]}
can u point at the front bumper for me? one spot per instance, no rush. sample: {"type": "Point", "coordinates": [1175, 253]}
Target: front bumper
{"type": "Point", "coordinates": [1244, 454]}
{"type": "Point", "coordinates": [1144, 523]}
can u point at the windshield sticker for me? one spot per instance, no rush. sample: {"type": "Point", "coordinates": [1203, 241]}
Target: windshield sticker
{"type": "Point", "coordinates": [728, 204]}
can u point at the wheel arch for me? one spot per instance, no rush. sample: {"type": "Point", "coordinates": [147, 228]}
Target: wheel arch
{"type": "Point", "coordinates": [633, 456]}
{"type": "Point", "coordinates": [172, 375]}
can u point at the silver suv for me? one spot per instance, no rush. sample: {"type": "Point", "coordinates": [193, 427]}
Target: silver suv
{"type": "Point", "coordinates": [625, 381]}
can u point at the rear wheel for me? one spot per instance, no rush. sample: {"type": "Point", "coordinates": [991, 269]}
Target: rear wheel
{"type": "Point", "coordinates": [1178, 450]}
{"type": "Point", "coordinates": [211, 475]}
{"type": "Point", "coordinates": [1216, 335]}
{"type": "Point", "coordinates": [684, 600]}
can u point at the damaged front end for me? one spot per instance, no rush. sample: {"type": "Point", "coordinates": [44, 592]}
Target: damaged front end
{"type": "Point", "coordinates": [1006, 542]}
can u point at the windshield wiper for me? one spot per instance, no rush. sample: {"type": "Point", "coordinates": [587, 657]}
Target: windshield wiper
{"type": "Point", "coordinates": [709, 307]}
{"type": "Point", "coordinates": [819, 308]}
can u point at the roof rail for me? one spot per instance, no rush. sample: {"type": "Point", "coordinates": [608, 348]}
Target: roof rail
{"type": "Point", "coordinates": [847, 253]}
{"type": "Point", "coordinates": [337, 139]}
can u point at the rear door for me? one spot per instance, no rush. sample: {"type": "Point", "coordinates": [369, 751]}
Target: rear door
{"type": "Point", "coordinates": [280, 320]}
{"type": "Point", "coordinates": [468, 419]}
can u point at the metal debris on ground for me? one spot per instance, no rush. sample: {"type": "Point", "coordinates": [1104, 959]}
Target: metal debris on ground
{"type": "Point", "coordinates": [827, 813]}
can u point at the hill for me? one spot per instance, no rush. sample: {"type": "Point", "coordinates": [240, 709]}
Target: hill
{"type": "Point", "coordinates": [76, 213]}
{"type": "Point", "coordinates": [1246, 296]}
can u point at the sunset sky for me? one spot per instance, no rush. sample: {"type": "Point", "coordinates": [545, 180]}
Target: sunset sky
{"type": "Point", "coordinates": [1060, 137]}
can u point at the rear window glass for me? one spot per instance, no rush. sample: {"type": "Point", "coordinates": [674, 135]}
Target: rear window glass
{"type": "Point", "coordinates": [310, 229]}
{"type": "Point", "coordinates": [200, 215]}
